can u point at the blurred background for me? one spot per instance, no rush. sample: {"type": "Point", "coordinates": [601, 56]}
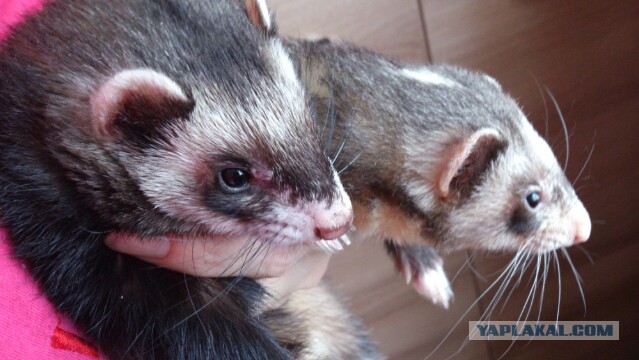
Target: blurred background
{"type": "Point", "coordinates": [587, 54]}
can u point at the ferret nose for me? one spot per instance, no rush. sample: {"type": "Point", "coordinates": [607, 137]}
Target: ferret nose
{"type": "Point", "coordinates": [333, 223]}
{"type": "Point", "coordinates": [334, 220]}
{"type": "Point", "coordinates": [332, 234]}
{"type": "Point", "coordinates": [581, 223]}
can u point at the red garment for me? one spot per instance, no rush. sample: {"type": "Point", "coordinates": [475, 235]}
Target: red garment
{"type": "Point", "coordinates": [30, 327]}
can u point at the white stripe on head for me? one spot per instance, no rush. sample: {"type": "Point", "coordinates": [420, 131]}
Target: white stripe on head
{"type": "Point", "coordinates": [538, 144]}
{"type": "Point", "coordinates": [428, 77]}
{"type": "Point", "coordinates": [282, 62]}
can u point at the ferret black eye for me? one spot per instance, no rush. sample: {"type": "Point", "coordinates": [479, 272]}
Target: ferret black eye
{"type": "Point", "coordinates": [234, 179]}
{"type": "Point", "coordinates": [533, 199]}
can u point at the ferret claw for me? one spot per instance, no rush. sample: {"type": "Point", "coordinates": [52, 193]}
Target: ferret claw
{"type": "Point", "coordinates": [408, 275]}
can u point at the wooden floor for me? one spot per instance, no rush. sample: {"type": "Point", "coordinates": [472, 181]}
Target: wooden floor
{"type": "Point", "coordinates": [587, 54]}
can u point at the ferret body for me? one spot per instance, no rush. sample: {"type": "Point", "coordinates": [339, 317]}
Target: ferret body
{"type": "Point", "coordinates": [161, 118]}
{"type": "Point", "coordinates": [437, 157]}
{"type": "Point", "coordinates": [183, 118]}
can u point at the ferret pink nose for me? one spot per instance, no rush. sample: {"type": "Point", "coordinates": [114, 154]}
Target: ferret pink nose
{"type": "Point", "coordinates": [334, 221]}
{"type": "Point", "coordinates": [581, 223]}
{"type": "Point", "coordinates": [332, 234]}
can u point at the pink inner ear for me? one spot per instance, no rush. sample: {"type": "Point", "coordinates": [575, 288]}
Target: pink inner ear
{"type": "Point", "coordinates": [458, 155]}
{"type": "Point", "coordinates": [108, 101]}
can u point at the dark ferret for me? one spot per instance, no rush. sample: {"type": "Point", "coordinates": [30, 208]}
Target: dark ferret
{"type": "Point", "coordinates": [437, 157]}
{"type": "Point", "coordinates": [179, 118]}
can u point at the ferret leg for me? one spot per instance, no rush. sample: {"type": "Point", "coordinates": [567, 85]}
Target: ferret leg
{"type": "Point", "coordinates": [422, 266]}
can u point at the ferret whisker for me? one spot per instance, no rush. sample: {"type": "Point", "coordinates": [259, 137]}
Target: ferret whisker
{"type": "Point", "coordinates": [580, 188]}
{"type": "Point", "coordinates": [341, 147]}
{"type": "Point", "coordinates": [501, 276]}
{"type": "Point", "coordinates": [585, 252]}
{"type": "Point", "coordinates": [522, 268]}
{"type": "Point", "coordinates": [350, 163]}
{"type": "Point", "coordinates": [331, 129]}
{"type": "Point", "coordinates": [329, 106]}
{"type": "Point", "coordinates": [151, 318]}
{"type": "Point", "coordinates": [543, 284]}
{"type": "Point", "coordinates": [530, 299]}
{"type": "Point", "coordinates": [543, 99]}
{"type": "Point", "coordinates": [544, 277]}
{"type": "Point", "coordinates": [469, 256]}
{"type": "Point", "coordinates": [186, 284]}
{"type": "Point", "coordinates": [476, 271]}
{"type": "Point", "coordinates": [93, 232]}
{"type": "Point", "coordinates": [563, 124]}
{"type": "Point", "coordinates": [246, 254]}
{"type": "Point", "coordinates": [528, 304]}
{"type": "Point", "coordinates": [554, 253]}
{"type": "Point", "coordinates": [524, 263]}
{"type": "Point", "coordinates": [487, 314]}
{"type": "Point", "coordinates": [510, 272]}
{"type": "Point", "coordinates": [516, 284]}
{"type": "Point", "coordinates": [252, 255]}
{"type": "Point", "coordinates": [247, 260]}
{"type": "Point", "coordinates": [206, 304]}
{"type": "Point", "coordinates": [578, 278]}
{"type": "Point", "coordinates": [266, 247]}
{"type": "Point", "coordinates": [585, 164]}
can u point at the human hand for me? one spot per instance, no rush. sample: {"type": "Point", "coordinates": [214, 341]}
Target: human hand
{"type": "Point", "coordinates": [282, 269]}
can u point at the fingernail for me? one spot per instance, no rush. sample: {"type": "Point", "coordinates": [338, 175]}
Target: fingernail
{"type": "Point", "coordinates": [136, 246]}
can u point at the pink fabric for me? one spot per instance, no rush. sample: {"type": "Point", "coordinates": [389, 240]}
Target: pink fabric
{"type": "Point", "coordinates": [30, 327]}
{"type": "Point", "coordinates": [13, 11]}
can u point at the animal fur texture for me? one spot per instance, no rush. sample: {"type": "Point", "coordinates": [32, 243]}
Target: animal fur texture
{"type": "Point", "coordinates": [437, 157]}
{"type": "Point", "coordinates": [125, 116]}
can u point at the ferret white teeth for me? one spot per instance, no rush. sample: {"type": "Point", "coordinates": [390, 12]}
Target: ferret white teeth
{"type": "Point", "coordinates": [330, 246]}
{"type": "Point", "coordinates": [345, 239]}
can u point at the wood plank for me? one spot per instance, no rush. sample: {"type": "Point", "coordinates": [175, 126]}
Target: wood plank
{"type": "Point", "coordinates": [404, 325]}
{"type": "Point", "coordinates": [390, 27]}
{"type": "Point", "coordinates": [586, 53]}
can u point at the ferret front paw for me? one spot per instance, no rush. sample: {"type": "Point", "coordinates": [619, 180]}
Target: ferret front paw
{"type": "Point", "coordinates": [422, 267]}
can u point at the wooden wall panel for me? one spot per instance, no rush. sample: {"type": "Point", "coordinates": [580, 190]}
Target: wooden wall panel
{"type": "Point", "coordinates": [391, 27]}
{"type": "Point", "coordinates": [586, 53]}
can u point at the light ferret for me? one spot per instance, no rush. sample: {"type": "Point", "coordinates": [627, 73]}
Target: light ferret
{"type": "Point", "coordinates": [437, 157]}
{"type": "Point", "coordinates": [167, 118]}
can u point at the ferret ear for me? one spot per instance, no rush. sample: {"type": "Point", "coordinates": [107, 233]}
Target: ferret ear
{"type": "Point", "coordinates": [259, 14]}
{"type": "Point", "coordinates": [466, 161]}
{"type": "Point", "coordinates": [137, 100]}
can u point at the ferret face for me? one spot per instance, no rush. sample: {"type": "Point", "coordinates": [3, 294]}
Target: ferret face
{"type": "Point", "coordinates": [523, 201]}
{"type": "Point", "coordinates": [480, 176]}
{"type": "Point", "coordinates": [210, 162]}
